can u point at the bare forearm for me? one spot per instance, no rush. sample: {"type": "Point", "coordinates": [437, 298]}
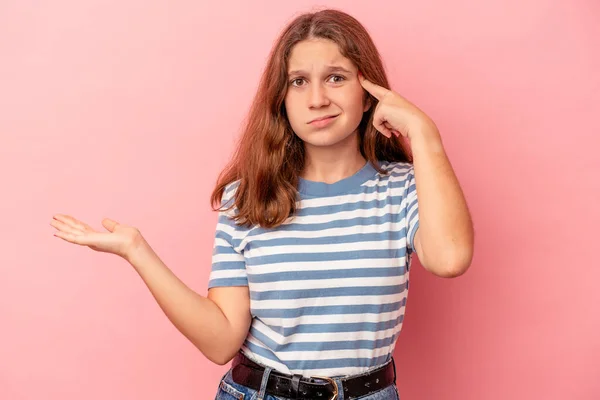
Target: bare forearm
{"type": "Point", "coordinates": [445, 227]}
{"type": "Point", "coordinates": [196, 317]}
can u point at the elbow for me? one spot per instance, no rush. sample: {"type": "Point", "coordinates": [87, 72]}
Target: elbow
{"type": "Point", "coordinates": [220, 357]}
{"type": "Point", "coordinates": [459, 264]}
{"type": "Point", "coordinates": [451, 264]}
{"type": "Point", "coordinates": [454, 271]}
{"type": "Point", "coordinates": [221, 361]}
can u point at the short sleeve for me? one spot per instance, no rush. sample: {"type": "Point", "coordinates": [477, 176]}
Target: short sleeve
{"type": "Point", "coordinates": [412, 209]}
{"type": "Point", "coordinates": [228, 263]}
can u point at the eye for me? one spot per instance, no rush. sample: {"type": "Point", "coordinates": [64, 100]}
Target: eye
{"type": "Point", "coordinates": [337, 78]}
{"type": "Point", "coordinates": [296, 81]}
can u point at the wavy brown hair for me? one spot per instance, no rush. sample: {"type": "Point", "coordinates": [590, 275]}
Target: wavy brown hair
{"type": "Point", "coordinates": [269, 156]}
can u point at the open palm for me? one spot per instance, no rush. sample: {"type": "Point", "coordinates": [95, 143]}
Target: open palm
{"type": "Point", "coordinates": [119, 240]}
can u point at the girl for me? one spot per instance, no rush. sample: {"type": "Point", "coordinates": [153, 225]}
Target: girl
{"type": "Point", "coordinates": [318, 219]}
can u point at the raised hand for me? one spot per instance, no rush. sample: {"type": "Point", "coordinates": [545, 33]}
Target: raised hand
{"type": "Point", "coordinates": [120, 239]}
{"type": "Point", "coordinates": [394, 115]}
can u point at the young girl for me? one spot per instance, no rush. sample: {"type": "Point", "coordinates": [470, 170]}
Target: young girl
{"type": "Point", "coordinates": [318, 219]}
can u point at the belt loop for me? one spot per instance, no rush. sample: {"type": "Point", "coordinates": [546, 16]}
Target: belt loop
{"type": "Point", "coordinates": [340, 387]}
{"type": "Point", "coordinates": [263, 384]}
{"type": "Point", "coordinates": [394, 365]}
{"type": "Point", "coordinates": [295, 386]}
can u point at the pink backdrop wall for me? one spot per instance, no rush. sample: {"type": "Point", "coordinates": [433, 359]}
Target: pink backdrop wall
{"type": "Point", "coordinates": [129, 110]}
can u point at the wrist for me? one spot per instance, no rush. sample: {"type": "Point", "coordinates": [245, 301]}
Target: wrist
{"type": "Point", "coordinates": [426, 137]}
{"type": "Point", "coordinates": [138, 248]}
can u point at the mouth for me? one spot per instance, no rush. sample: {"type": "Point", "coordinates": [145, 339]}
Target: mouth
{"type": "Point", "coordinates": [323, 119]}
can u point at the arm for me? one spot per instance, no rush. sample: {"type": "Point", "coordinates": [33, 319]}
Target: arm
{"type": "Point", "coordinates": [217, 325]}
{"type": "Point", "coordinates": [444, 239]}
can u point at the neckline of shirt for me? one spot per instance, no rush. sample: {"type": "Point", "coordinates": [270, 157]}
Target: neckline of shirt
{"type": "Point", "coordinates": [343, 186]}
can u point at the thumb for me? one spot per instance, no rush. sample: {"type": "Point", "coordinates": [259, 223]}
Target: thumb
{"type": "Point", "coordinates": [109, 224]}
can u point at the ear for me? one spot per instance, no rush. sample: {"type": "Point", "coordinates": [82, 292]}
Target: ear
{"type": "Point", "coordinates": [368, 102]}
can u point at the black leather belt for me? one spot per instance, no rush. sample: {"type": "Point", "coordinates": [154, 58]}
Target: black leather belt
{"type": "Point", "coordinates": [248, 373]}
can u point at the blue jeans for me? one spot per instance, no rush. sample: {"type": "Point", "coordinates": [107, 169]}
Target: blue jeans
{"type": "Point", "coordinates": [229, 390]}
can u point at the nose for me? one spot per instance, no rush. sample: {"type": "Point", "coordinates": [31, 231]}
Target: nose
{"type": "Point", "coordinates": [318, 96]}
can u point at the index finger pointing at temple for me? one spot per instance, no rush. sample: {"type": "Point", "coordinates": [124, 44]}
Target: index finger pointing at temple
{"type": "Point", "coordinates": [377, 91]}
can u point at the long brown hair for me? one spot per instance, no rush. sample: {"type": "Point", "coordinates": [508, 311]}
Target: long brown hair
{"type": "Point", "coordinates": [269, 156]}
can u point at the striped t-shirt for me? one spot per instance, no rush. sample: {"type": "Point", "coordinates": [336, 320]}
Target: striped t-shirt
{"type": "Point", "coordinates": [328, 287]}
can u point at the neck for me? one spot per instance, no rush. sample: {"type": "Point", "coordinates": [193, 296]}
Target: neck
{"type": "Point", "coordinates": [332, 163]}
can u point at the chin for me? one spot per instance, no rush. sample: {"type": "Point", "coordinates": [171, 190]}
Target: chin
{"type": "Point", "coordinates": [324, 138]}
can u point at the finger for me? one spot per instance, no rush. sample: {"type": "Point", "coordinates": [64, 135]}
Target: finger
{"type": "Point", "coordinates": [66, 219]}
{"type": "Point", "coordinates": [85, 238]}
{"type": "Point", "coordinates": [384, 130]}
{"type": "Point", "coordinates": [375, 90]}
{"type": "Point", "coordinates": [66, 228]}
{"type": "Point", "coordinates": [391, 128]}
{"type": "Point", "coordinates": [381, 124]}
{"type": "Point", "coordinates": [71, 238]}
{"type": "Point", "coordinates": [109, 224]}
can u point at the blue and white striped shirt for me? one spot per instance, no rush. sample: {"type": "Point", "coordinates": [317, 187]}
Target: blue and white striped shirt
{"type": "Point", "coordinates": [328, 287]}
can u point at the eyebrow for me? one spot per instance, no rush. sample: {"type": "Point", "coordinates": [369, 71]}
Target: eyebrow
{"type": "Point", "coordinates": [329, 68]}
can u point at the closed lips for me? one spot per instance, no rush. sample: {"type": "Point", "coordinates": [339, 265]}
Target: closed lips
{"type": "Point", "coordinates": [322, 118]}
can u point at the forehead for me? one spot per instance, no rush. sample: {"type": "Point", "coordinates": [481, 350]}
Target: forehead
{"type": "Point", "coordinates": [316, 53]}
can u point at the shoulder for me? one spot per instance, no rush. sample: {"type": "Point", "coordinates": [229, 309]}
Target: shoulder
{"type": "Point", "coordinates": [228, 209]}
{"type": "Point", "coordinates": [228, 197]}
{"type": "Point", "coordinates": [398, 170]}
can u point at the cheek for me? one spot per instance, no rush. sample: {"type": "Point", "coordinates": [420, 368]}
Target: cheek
{"type": "Point", "coordinates": [354, 104]}
{"type": "Point", "coordinates": [291, 109]}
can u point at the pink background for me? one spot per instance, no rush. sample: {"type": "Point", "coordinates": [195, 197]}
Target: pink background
{"type": "Point", "coordinates": [130, 109]}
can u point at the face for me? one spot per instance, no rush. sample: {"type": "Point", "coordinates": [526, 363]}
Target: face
{"type": "Point", "coordinates": [325, 101]}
